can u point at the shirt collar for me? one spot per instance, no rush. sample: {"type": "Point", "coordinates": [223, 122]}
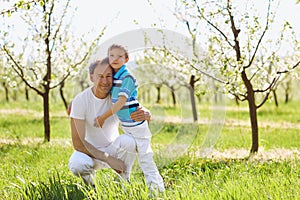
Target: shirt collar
{"type": "Point", "coordinates": [120, 72]}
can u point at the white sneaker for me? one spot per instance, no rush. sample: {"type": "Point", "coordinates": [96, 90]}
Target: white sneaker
{"type": "Point", "coordinates": [88, 179]}
{"type": "Point", "coordinates": [155, 191]}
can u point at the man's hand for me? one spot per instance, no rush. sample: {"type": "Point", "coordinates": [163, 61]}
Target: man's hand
{"type": "Point", "coordinates": [99, 121]}
{"type": "Point", "coordinates": [141, 114]}
{"type": "Point", "coordinates": [118, 165]}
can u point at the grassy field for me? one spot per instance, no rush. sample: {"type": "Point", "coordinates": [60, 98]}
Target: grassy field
{"type": "Point", "coordinates": [31, 169]}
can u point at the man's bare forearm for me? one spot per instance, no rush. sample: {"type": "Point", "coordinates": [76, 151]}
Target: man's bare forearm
{"type": "Point", "coordinates": [80, 144]}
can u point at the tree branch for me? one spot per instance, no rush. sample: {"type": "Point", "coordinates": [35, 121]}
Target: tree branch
{"type": "Point", "coordinates": [190, 64]}
{"type": "Point", "coordinates": [47, 77]}
{"type": "Point", "coordinates": [269, 89]}
{"type": "Point", "coordinates": [286, 71]}
{"type": "Point", "coordinates": [254, 74]}
{"type": "Point", "coordinates": [238, 95]}
{"type": "Point", "coordinates": [62, 81]}
{"type": "Point", "coordinates": [16, 5]}
{"type": "Point", "coordinates": [210, 23]}
{"type": "Point", "coordinates": [19, 70]}
{"type": "Point", "coordinates": [83, 58]}
{"type": "Point", "coordinates": [261, 37]}
{"type": "Point", "coordinates": [235, 33]}
{"type": "Point", "coordinates": [60, 24]}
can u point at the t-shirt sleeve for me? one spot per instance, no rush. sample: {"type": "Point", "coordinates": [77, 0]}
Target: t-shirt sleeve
{"type": "Point", "coordinates": [128, 87]}
{"type": "Point", "coordinates": [78, 108]}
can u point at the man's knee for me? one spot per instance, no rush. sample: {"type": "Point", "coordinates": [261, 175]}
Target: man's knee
{"type": "Point", "coordinates": [81, 165]}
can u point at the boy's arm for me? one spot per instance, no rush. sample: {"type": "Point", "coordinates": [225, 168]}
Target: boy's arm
{"type": "Point", "coordinates": [99, 121]}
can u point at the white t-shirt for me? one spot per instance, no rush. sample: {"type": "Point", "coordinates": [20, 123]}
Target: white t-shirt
{"type": "Point", "coordinates": [86, 106]}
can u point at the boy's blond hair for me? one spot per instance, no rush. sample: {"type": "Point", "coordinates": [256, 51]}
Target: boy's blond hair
{"type": "Point", "coordinates": [118, 46]}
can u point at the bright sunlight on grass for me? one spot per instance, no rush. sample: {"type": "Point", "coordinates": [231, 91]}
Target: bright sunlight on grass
{"type": "Point", "coordinates": [32, 169]}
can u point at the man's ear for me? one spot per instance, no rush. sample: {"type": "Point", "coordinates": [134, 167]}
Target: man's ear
{"type": "Point", "coordinates": [91, 77]}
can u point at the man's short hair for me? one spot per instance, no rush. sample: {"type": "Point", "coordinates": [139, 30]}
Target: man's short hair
{"type": "Point", "coordinates": [92, 67]}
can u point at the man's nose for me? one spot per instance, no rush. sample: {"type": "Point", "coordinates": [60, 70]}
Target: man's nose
{"type": "Point", "coordinates": [104, 80]}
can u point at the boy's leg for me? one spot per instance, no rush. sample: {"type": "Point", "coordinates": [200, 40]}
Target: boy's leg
{"type": "Point", "coordinates": [148, 166]}
{"type": "Point", "coordinates": [142, 136]}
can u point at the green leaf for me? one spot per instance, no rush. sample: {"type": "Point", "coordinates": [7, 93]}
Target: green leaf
{"type": "Point", "coordinates": [8, 13]}
{"type": "Point", "coordinates": [42, 3]}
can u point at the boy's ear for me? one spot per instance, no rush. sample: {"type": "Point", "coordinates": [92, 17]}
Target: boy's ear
{"type": "Point", "coordinates": [126, 60]}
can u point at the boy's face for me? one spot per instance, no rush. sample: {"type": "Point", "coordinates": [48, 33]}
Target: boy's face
{"type": "Point", "coordinates": [117, 58]}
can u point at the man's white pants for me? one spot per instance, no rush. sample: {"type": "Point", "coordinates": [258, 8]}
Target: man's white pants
{"type": "Point", "coordinates": [123, 148]}
{"type": "Point", "coordinates": [142, 136]}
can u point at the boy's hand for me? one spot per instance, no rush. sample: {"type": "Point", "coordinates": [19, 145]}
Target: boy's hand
{"type": "Point", "coordinates": [141, 114]}
{"type": "Point", "coordinates": [99, 121]}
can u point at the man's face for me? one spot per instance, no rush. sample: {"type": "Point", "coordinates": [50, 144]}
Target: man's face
{"type": "Point", "coordinates": [102, 79]}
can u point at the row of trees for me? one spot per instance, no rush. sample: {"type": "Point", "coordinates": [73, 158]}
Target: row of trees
{"type": "Point", "coordinates": [235, 42]}
{"type": "Point", "coordinates": [239, 48]}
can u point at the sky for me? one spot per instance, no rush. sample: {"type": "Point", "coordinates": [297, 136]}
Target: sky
{"type": "Point", "coordinates": [122, 16]}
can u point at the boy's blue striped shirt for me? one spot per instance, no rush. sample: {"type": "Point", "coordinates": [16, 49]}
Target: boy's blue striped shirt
{"type": "Point", "coordinates": [125, 85]}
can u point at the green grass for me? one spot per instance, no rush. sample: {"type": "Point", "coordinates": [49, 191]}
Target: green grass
{"type": "Point", "coordinates": [233, 179]}
{"type": "Point", "coordinates": [18, 127]}
{"type": "Point", "coordinates": [31, 169]}
{"type": "Point", "coordinates": [32, 174]}
{"type": "Point", "coordinates": [268, 112]}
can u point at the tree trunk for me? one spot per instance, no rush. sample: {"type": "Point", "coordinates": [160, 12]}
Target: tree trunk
{"type": "Point", "coordinates": [275, 98]}
{"type": "Point", "coordinates": [237, 101]}
{"type": "Point", "coordinates": [61, 91]}
{"type": "Point", "coordinates": [83, 85]}
{"type": "Point", "coordinates": [158, 94]}
{"type": "Point", "coordinates": [6, 91]}
{"type": "Point", "coordinates": [287, 92]}
{"type": "Point", "coordinates": [15, 95]}
{"type": "Point", "coordinates": [192, 96]}
{"type": "Point", "coordinates": [173, 96]}
{"type": "Point", "coordinates": [46, 116]}
{"type": "Point", "coordinates": [26, 93]}
{"type": "Point", "coordinates": [199, 98]}
{"type": "Point", "coordinates": [286, 100]}
{"type": "Point", "coordinates": [254, 126]}
{"type": "Point", "coordinates": [216, 94]}
{"type": "Point", "coordinates": [47, 78]}
{"type": "Point", "coordinates": [252, 111]}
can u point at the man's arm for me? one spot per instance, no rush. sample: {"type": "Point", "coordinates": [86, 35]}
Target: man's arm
{"type": "Point", "coordinates": [80, 144]}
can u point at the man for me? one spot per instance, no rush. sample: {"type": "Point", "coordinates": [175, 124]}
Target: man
{"type": "Point", "coordinates": [97, 148]}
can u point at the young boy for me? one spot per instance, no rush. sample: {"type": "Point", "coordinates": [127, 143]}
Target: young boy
{"type": "Point", "coordinates": [124, 98]}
